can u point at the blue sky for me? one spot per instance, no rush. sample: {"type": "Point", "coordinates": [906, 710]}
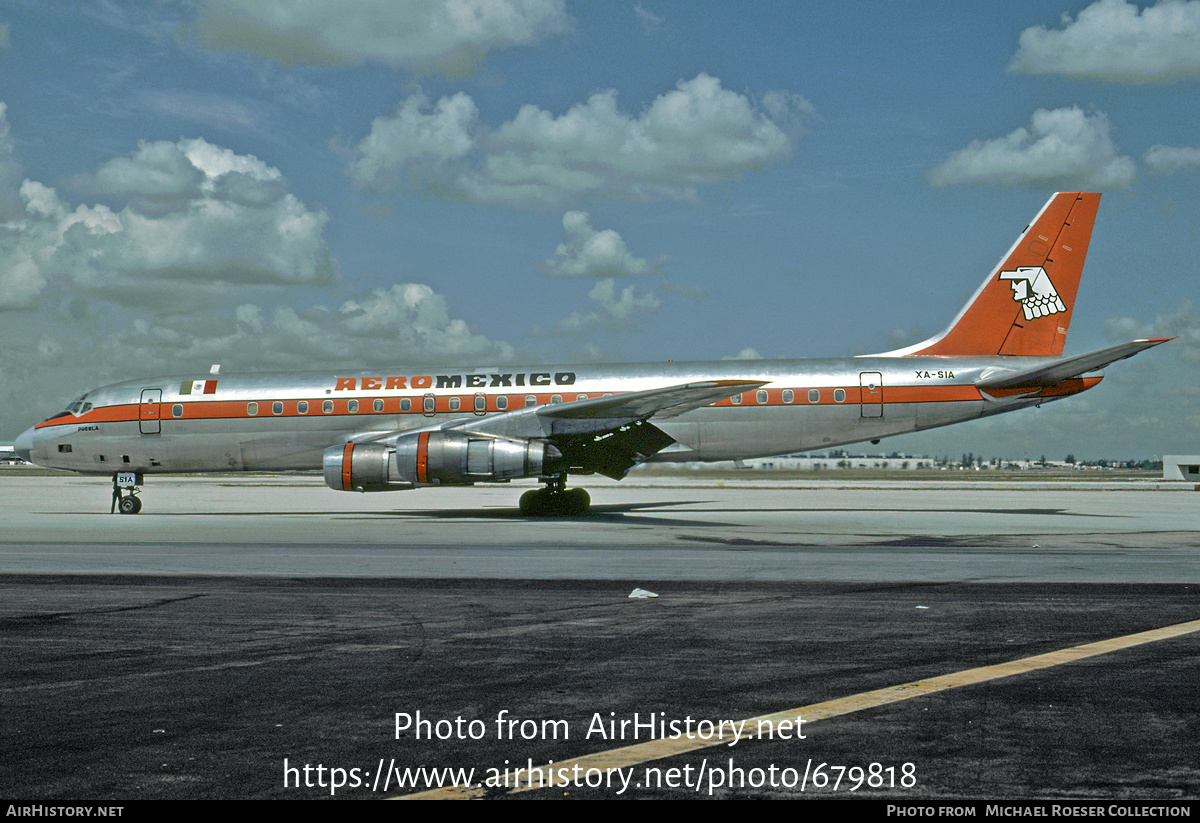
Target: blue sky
{"type": "Point", "coordinates": [302, 184]}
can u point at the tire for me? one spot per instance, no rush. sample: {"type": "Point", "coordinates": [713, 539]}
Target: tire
{"type": "Point", "coordinates": [129, 505]}
{"type": "Point", "coordinates": [575, 502]}
{"type": "Point", "coordinates": [532, 503]}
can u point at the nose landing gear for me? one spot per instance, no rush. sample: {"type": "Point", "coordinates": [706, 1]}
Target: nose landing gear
{"type": "Point", "coordinates": [124, 495]}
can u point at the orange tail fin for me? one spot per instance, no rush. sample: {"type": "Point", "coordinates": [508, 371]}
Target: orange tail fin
{"type": "Point", "coordinates": [1024, 306]}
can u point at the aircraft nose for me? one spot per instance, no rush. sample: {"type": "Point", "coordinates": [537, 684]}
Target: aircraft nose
{"type": "Point", "coordinates": [24, 445]}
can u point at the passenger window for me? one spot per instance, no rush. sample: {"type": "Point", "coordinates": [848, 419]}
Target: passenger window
{"type": "Point", "coordinates": [556, 398]}
{"type": "Point", "coordinates": [251, 409]}
{"type": "Point", "coordinates": [302, 407]}
{"type": "Point", "coordinates": [530, 400]}
{"type": "Point", "coordinates": [761, 396]}
{"type": "Point", "coordinates": [502, 402]}
{"type": "Point", "coordinates": [455, 404]}
{"type": "Point", "coordinates": [480, 403]}
{"type": "Point", "coordinates": [581, 397]}
{"type": "Point", "coordinates": [788, 397]}
{"type": "Point", "coordinates": [814, 395]}
{"type": "Point", "coordinates": [327, 407]}
{"type": "Point", "coordinates": [377, 405]}
{"type": "Point", "coordinates": [429, 404]}
{"type": "Point", "coordinates": [736, 400]}
{"type": "Point", "coordinates": [277, 407]}
{"type": "Point", "coordinates": [405, 404]}
{"type": "Point", "coordinates": [839, 395]}
{"type": "Point", "coordinates": [177, 410]}
{"type": "Point", "coordinates": [352, 406]}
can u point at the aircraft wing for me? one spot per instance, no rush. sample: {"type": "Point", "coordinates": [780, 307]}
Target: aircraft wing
{"type": "Point", "coordinates": [599, 414]}
{"type": "Point", "coordinates": [609, 435]}
{"type": "Point", "coordinates": [652, 403]}
{"type": "Point", "coordinates": [1065, 368]}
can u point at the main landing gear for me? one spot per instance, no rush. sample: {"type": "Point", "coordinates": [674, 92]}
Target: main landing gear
{"type": "Point", "coordinates": [555, 499]}
{"type": "Point", "coordinates": [124, 495]}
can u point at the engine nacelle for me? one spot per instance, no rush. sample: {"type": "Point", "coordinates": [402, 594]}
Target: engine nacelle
{"type": "Point", "coordinates": [436, 458]}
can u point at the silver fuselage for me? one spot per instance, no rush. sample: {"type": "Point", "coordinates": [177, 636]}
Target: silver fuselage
{"type": "Point", "coordinates": [285, 421]}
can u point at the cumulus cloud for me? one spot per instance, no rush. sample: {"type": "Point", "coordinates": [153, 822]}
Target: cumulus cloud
{"type": "Point", "coordinates": [1114, 40]}
{"type": "Point", "coordinates": [586, 252]}
{"type": "Point", "coordinates": [415, 320]}
{"type": "Point", "coordinates": [1168, 159]}
{"type": "Point", "coordinates": [1062, 147]}
{"type": "Point", "coordinates": [696, 134]}
{"type": "Point", "coordinates": [414, 146]}
{"type": "Point", "coordinates": [185, 212]}
{"type": "Point", "coordinates": [614, 309]}
{"type": "Point", "coordinates": [449, 36]}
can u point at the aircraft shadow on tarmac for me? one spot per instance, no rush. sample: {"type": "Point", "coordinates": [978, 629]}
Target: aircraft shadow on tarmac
{"type": "Point", "coordinates": [617, 512]}
{"type": "Point", "coordinates": [612, 513]}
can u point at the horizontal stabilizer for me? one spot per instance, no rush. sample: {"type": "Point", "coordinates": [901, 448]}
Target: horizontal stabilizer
{"type": "Point", "coordinates": [1049, 374]}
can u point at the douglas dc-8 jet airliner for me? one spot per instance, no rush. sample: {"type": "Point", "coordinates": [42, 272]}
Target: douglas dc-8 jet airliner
{"type": "Point", "coordinates": [410, 427]}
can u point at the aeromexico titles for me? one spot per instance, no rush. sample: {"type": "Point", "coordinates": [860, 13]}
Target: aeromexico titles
{"type": "Point", "coordinates": [409, 427]}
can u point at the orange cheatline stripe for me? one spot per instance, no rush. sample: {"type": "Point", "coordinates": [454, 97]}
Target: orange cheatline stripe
{"type": "Point", "coordinates": [627, 756]}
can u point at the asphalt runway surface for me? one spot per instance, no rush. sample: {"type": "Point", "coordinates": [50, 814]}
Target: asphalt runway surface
{"type": "Point", "coordinates": [269, 638]}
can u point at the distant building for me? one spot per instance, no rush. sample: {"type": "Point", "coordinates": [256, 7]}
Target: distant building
{"type": "Point", "coordinates": [1181, 467]}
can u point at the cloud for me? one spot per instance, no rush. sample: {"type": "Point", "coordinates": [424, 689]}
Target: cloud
{"type": "Point", "coordinates": [615, 311]}
{"type": "Point", "coordinates": [408, 322]}
{"type": "Point", "coordinates": [413, 147]}
{"type": "Point", "coordinates": [696, 134]}
{"type": "Point", "coordinates": [448, 36]}
{"type": "Point", "coordinates": [1114, 40]}
{"type": "Point", "coordinates": [650, 22]}
{"type": "Point", "coordinates": [188, 212]}
{"type": "Point", "coordinates": [1168, 160]}
{"type": "Point", "coordinates": [1062, 147]}
{"type": "Point", "coordinates": [416, 321]}
{"type": "Point", "coordinates": [586, 252]}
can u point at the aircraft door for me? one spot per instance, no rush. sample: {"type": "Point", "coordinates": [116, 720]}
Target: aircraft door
{"type": "Point", "coordinates": [148, 411]}
{"type": "Point", "coordinates": [871, 383]}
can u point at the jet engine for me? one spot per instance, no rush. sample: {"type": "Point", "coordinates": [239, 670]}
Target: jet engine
{"type": "Point", "coordinates": [434, 458]}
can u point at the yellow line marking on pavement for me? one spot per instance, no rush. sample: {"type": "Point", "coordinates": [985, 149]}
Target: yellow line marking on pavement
{"type": "Point", "coordinates": [626, 756]}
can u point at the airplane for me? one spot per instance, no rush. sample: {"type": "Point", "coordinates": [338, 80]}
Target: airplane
{"type": "Point", "coordinates": [413, 427]}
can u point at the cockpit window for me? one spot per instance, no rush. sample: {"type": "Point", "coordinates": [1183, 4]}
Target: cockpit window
{"type": "Point", "coordinates": [79, 407]}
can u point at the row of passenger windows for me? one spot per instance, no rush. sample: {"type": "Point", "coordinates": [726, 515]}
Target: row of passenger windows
{"type": "Point", "coordinates": [428, 404]}
{"type": "Point", "coordinates": [814, 396]}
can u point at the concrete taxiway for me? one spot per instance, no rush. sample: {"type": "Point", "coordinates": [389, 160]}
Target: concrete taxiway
{"type": "Point", "coordinates": [660, 528]}
{"type": "Point", "coordinates": [257, 637]}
